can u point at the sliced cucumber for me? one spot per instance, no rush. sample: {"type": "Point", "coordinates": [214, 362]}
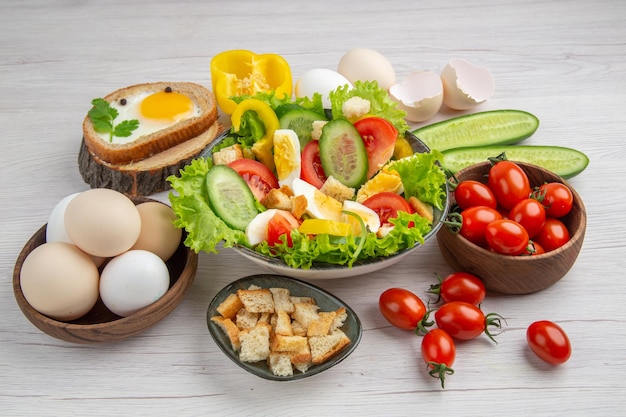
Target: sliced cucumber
{"type": "Point", "coordinates": [301, 122]}
{"type": "Point", "coordinates": [494, 127]}
{"type": "Point", "coordinates": [343, 154]}
{"type": "Point", "coordinates": [565, 162]}
{"type": "Point", "coordinates": [230, 197]}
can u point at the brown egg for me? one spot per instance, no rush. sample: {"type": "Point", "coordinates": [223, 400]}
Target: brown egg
{"type": "Point", "coordinates": [158, 233]}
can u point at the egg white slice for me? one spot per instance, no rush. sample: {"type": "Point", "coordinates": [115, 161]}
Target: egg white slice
{"type": "Point", "coordinates": [287, 156]}
{"type": "Point", "coordinates": [369, 216]}
{"type": "Point", "coordinates": [256, 232]}
{"type": "Point", "coordinates": [319, 205]}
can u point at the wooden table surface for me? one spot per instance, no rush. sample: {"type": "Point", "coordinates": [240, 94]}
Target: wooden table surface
{"type": "Point", "coordinates": [564, 61]}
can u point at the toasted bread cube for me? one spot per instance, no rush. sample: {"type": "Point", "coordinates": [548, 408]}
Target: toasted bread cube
{"type": "Point", "coordinates": [230, 330]}
{"type": "Point", "coordinates": [322, 325]}
{"type": "Point", "coordinates": [276, 198]}
{"type": "Point", "coordinates": [280, 364]}
{"type": "Point", "coordinates": [255, 343]}
{"type": "Point", "coordinates": [305, 313]}
{"type": "Point", "coordinates": [246, 319]}
{"type": "Point", "coordinates": [282, 343]}
{"type": "Point", "coordinates": [230, 306]}
{"type": "Point", "coordinates": [282, 300]}
{"type": "Point", "coordinates": [257, 300]}
{"type": "Point", "coordinates": [298, 328]}
{"type": "Point", "coordinates": [302, 359]}
{"type": "Point", "coordinates": [282, 325]}
{"type": "Point", "coordinates": [337, 190]}
{"type": "Point", "coordinates": [298, 206]}
{"type": "Point", "coordinates": [317, 126]}
{"type": "Point", "coordinates": [422, 208]}
{"type": "Point", "coordinates": [227, 155]}
{"type": "Point", "coordinates": [325, 347]}
{"type": "Point", "coordinates": [341, 314]}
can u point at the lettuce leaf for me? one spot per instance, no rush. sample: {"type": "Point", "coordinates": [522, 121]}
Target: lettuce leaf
{"type": "Point", "coordinates": [381, 104]}
{"type": "Point", "coordinates": [422, 177]}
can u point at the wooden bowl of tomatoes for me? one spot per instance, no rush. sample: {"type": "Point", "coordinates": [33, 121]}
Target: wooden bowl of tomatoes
{"type": "Point", "coordinates": [518, 226]}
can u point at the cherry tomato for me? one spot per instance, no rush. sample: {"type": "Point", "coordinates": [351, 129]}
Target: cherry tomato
{"type": "Point", "coordinates": [509, 183]}
{"type": "Point", "coordinates": [439, 353]}
{"type": "Point", "coordinates": [460, 286]}
{"type": "Point", "coordinates": [401, 308]}
{"type": "Point", "coordinates": [387, 205]}
{"type": "Point", "coordinates": [557, 198]}
{"type": "Point", "coordinates": [279, 226]}
{"type": "Point", "coordinates": [506, 237]}
{"type": "Point", "coordinates": [312, 171]}
{"type": "Point", "coordinates": [534, 248]}
{"type": "Point", "coordinates": [549, 342]}
{"type": "Point", "coordinates": [465, 321]}
{"type": "Point", "coordinates": [471, 193]}
{"type": "Point", "coordinates": [552, 235]}
{"type": "Point", "coordinates": [475, 221]}
{"type": "Point", "coordinates": [530, 213]}
{"type": "Point", "coordinates": [379, 137]}
{"type": "Point", "coordinates": [259, 178]}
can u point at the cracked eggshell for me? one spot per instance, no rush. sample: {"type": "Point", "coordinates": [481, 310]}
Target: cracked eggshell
{"type": "Point", "coordinates": [365, 64]}
{"type": "Point", "coordinates": [420, 95]}
{"type": "Point", "coordinates": [465, 85]}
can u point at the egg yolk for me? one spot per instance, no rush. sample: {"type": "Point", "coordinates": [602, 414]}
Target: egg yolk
{"type": "Point", "coordinates": [169, 106]}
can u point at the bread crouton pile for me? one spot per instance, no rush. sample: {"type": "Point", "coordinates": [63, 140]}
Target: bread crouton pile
{"type": "Point", "coordinates": [289, 332]}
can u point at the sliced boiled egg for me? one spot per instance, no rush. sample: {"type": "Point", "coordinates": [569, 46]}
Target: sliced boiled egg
{"type": "Point", "coordinates": [369, 217]}
{"type": "Point", "coordinates": [420, 95]}
{"type": "Point", "coordinates": [465, 85]}
{"type": "Point", "coordinates": [318, 204]}
{"type": "Point", "coordinates": [154, 111]}
{"type": "Point", "coordinates": [287, 156]}
{"type": "Point", "coordinates": [256, 232]}
{"type": "Point", "coordinates": [384, 180]}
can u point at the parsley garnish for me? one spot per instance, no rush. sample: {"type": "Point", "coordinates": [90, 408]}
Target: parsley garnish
{"type": "Point", "coordinates": [102, 116]}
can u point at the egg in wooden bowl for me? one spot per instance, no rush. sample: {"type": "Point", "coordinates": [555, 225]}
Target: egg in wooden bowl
{"type": "Point", "coordinates": [82, 294]}
{"type": "Point", "coordinates": [516, 274]}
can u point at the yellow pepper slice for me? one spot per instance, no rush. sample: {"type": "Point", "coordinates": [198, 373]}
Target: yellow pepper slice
{"type": "Point", "coordinates": [324, 227]}
{"type": "Point", "coordinates": [402, 148]}
{"type": "Point", "coordinates": [262, 148]}
{"type": "Point", "coordinates": [240, 72]}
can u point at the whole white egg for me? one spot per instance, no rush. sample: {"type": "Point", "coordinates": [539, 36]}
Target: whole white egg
{"type": "Point", "coordinates": [55, 229]}
{"type": "Point", "coordinates": [322, 81]}
{"type": "Point", "coordinates": [365, 64]}
{"type": "Point", "coordinates": [132, 281]}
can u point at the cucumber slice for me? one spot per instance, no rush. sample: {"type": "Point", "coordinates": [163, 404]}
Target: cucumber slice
{"type": "Point", "coordinates": [494, 127]}
{"type": "Point", "coordinates": [343, 154]}
{"type": "Point", "coordinates": [230, 197]}
{"type": "Point", "coordinates": [565, 162]}
{"type": "Point", "coordinates": [301, 122]}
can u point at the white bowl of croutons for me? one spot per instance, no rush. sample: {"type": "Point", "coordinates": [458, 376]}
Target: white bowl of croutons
{"type": "Point", "coordinates": [280, 328]}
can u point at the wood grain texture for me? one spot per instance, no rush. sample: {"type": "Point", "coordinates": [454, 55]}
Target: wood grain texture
{"type": "Point", "coordinates": [564, 61]}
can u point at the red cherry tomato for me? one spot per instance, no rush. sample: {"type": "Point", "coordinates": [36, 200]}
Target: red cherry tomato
{"type": "Point", "coordinates": [401, 308]}
{"type": "Point", "coordinates": [387, 205]}
{"type": "Point", "coordinates": [530, 213]}
{"type": "Point", "coordinates": [471, 193]}
{"type": "Point", "coordinates": [460, 286]}
{"type": "Point", "coordinates": [552, 235]}
{"type": "Point", "coordinates": [534, 248]}
{"type": "Point", "coordinates": [475, 221]}
{"type": "Point", "coordinates": [259, 178]}
{"type": "Point", "coordinates": [549, 342]}
{"type": "Point", "coordinates": [506, 237]}
{"type": "Point", "coordinates": [557, 199]}
{"type": "Point", "coordinates": [509, 183]}
{"type": "Point", "coordinates": [465, 321]}
{"type": "Point", "coordinates": [279, 227]}
{"type": "Point", "coordinates": [439, 352]}
{"type": "Point", "coordinates": [312, 171]}
{"type": "Point", "coordinates": [379, 137]}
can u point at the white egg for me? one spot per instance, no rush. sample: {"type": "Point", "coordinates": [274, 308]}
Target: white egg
{"type": "Point", "coordinates": [322, 81]}
{"type": "Point", "coordinates": [465, 85]}
{"type": "Point", "coordinates": [256, 232]}
{"type": "Point", "coordinates": [287, 156]}
{"type": "Point", "coordinates": [319, 205]}
{"type": "Point", "coordinates": [365, 64]}
{"type": "Point", "coordinates": [420, 95]}
{"type": "Point", "coordinates": [369, 216]}
{"type": "Point", "coordinates": [155, 110]}
{"type": "Point", "coordinates": [132, 281]}
{"type": "Point", "coordinates": [55, 229]}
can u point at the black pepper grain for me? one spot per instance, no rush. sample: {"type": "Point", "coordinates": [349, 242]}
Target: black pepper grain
{"type": "Point", "coordinates": [123, 102]}
{"type": "Point", "coordinates": [168, 89]}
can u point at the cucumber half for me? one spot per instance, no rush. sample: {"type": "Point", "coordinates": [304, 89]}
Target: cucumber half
{"type": "Point", "coordinates": [563, 161]}
{"type": "Point", "coordinates": [494, 127]}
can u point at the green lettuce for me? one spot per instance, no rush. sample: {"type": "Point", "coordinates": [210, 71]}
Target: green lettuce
{"type": "Point", "coordinates": [422, 177]}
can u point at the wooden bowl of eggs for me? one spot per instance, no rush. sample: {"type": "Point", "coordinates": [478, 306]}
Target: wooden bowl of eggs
{"type": "Point", "coordinates": [522, 274]}
{"type": "Point", "coordinates": [104, 267]}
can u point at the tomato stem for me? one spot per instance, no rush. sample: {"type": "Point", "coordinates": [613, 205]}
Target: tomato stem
{"type": "Point", "coordinates": [495, 159]}
{"type": "Point", "coordinates": [439, 371]}
{"type": "Point", "coordinates": [454, 222]}
{"type": "Point", "coordinates": [493, 320]}
{"type": "Point", "coordinates": [436, 288]}
{"type": "Point", "coordinates": [424, 324]}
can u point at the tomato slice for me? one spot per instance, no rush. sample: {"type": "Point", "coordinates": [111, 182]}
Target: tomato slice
{"type": "Point", "coordinates": [379, 137]}
{"type": "Point", "coordinates": [312, 171]}
{"type": "Point", "coordinates": [280, 225]}
{"type": "Point", "coordinates": [258, 177]}
{"type": "Point", "coordinates": [387, 205]}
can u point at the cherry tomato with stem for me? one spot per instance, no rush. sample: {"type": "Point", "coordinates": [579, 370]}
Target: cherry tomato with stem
{"type": "Point", "coordinates": [439, 352]}
{"type": "Point", "coordinates": [549, 342]}
{"type": "Point", "coordinates": [552, 235]}
{"type": "Point", "coordinates": [509, 183]}
{"type": "Point", "coordinates": [506, 237]}
{"type": "Point", "coordinates": [556, 197]}
{"type": "Point", "coordinates": [465, 321]}
{"type": "Point", "coordinates": [530, 213]}
{"type": "Point", "coordinates": [534, 248]}
{"type": "Point", "coordinates": [474, 221]}
{"type": "Point", "coordinates": [459, 286]}
{"type": "Point", "coordinates": [402, 308]}
{"type": "Point", "coordinates": [472, 193]}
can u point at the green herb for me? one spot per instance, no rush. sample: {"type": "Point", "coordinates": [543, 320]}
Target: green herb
{"type": "Point", "coordinates": [102, 116]}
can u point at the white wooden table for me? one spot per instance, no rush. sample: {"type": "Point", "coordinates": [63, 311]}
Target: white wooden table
{"type": "Point", "coordinates": [564, 61]}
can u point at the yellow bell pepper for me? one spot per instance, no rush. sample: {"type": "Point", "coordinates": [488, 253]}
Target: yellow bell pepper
{"type": "Point", "coordinates": [262, 148]}
{"type": "Point", "coordinates": [324, 227]}
{"type": "Point", "coordinates": [402, 148]}
{"type": "Point", "coordinates": [240, 72]}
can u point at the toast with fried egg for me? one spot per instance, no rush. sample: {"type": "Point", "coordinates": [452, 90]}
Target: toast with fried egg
{"type": "Point", "coordinates": [176, 121]}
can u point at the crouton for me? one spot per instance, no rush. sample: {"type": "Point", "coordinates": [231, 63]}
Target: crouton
{"type": "Point", "coordinates": [325, 347]}
{"type": "Point", "coordinates": [280, 364]}
{"type": "Point", "coordinates": [227, 155]}
{"type": "Point", "coordinates": [257, 301]}
{"type": "Point", "coordinates": [246, 319]}
{"type": "Point", "coordinates": [282, 343]}
{"type": "Point", "coordinates": [317, 126]}
{"type": "Point", "coordinates": [334, 188]}
{"type": "Point", "coordinates": [278, 198]}
{"type": "Point", "coordinates": [298, 206]}
{"type": "Point", "coordinates": [322, 325]}
{"type": "Point", "coordinates": [355, 107]}
{"type": "Point", "coordinates": [230, 306]}
{"type": "Point", "coordinates": [255, 343]}
{"type": "Point", "coordinates": [305, 313]}
{"type": "Point", "coordinates": [230, 330]}
{"type": "Point", "coordinates": [282, 300]}
{"type": "Point", "coordinates": [422, 208]}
